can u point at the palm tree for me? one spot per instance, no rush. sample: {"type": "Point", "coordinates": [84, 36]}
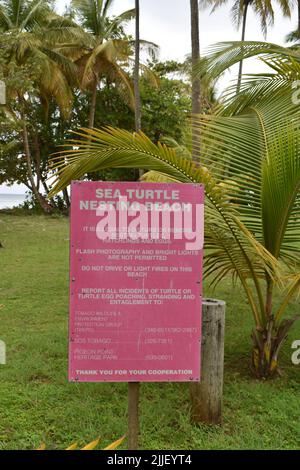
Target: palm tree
{"type": "Point", "coordinates": [104, 50]}
{"type": "Point", "coordinates": [134, 387]}
{"type": "Point", "coordinates": [263, 9]}
{"type": "Point", "coordinates": [23, 29]}
{"type": "Point", "coordinates": [266, 102]}
{"type": "Point", "coordinates": [252, 182]}
{"type": "Point", "coordinates": [196, 85]}
{"type": "Point", "coordinates": [259, 168]}
{"type": "Point", "coordinates": [251, 170]}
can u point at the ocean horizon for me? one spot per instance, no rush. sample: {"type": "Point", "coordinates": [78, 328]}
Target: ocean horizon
{"type": "Point", "coordinates": [9, 201]}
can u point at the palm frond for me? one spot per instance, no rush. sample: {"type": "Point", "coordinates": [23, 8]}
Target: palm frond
{"type": "Point", "coordinates": [109, 51]}
{"type": "Point", "coordinates": [89, 14]}
{"type": "Point", "coordinates": [106, 6]}
{"type": "Point", "coordinates": [224, 55]}
{"type": "Point", "coordinates": [5, 21]}
{"type": "Point", "coordinates": [256, 156]}
{"type": "Point", "coordinates": [292, 290]}
{"type": "Point", "coordinates": [277, 89]}
{"type": "Point", "coordinates": [34, 13]}
{"type": "Point", "coordinates": [120, 20]}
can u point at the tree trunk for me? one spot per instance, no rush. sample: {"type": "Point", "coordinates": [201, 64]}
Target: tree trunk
{"type": "Point", "coordinates": [37, 164]}
{"type": "Point", "coordinates": [67, 198]}
{"type": "Point", "coordinates": [134, 388]}
{"type": "Point", "coordinates": [265, 351]}
{"type": "Point", "coordinates": [298, 4]}
{"type": "Point", "coordinates": [40, 199]}
{"type": "Point", "coordinates": [136, 80]}
{"type": "Point", "coordinates": [196, 84]}
{"type": "Point", "coordinates": [243, 39]}
{"type": "Point", "coordinates": [267, 340]}
{"type": "Point", "coordinates": [93, 104]}
{"type": "Point", "coordinates": [37, 160]}
{"type": "Point", "coordinates": [269, 297]}
{"type": "Point", "coordinates": [137, 92]}
{"type": "Point", "coordinates": [267, 343]}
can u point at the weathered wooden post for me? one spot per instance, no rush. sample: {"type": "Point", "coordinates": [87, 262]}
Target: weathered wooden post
{"type": "Point", "coordinates": [206, 396]}
{"type": "Point", "coordinates": [133, 415]}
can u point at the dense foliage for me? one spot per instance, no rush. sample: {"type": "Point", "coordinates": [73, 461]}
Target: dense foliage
{"type": "Point", "coordinates": [68, 72]}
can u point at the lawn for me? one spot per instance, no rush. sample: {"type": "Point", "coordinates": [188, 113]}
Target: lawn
{"type": "Point", "coordinates": [37, 404]}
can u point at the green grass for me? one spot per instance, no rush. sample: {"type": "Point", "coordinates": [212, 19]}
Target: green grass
{"type": "Point", "coordinates": [37, 404]}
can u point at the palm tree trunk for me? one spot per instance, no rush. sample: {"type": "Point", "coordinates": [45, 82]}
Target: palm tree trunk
{"type": "Point", "coordinates": [93, 104]}
{"type": "Point", "coordinates": [246, 6]}
{"type": "Point", "coordinates": [298, 19]}
{"type": "Point", "coordinates": [67, 199]}
{"type": "Point", "coordinates": [196, 84]}
{"type": "Point", "coordinates": [136, 79]}
{"type": "Point", "coordinates": [268, 339]}
{"type": "Point", "coordinates": [134, 387]}
{"type": "Point", "coordinates": [137, 91]}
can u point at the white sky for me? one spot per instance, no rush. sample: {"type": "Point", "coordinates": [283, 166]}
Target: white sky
{"type": "Point", "coordinates": [167, 23]}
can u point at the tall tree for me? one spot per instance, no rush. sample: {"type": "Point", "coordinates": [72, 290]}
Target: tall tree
{"type": "Point", "coordinates": [298, 16]}
{"type": "Point", "coordinates": [246, 4]}
{"type": "Point", "coordinates": [24, 28]}
{"type": "Point", "coordinates": [196, 85]}
{"type": "Point", "coordinates": [134, 388]}
{"type": "Point", "coordinates": [104, 50]}
{"type": "Point", "coordinates": [196, 103]}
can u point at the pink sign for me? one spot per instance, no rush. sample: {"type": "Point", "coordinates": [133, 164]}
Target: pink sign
{"type": "Point", "coordinates": [136, 282]}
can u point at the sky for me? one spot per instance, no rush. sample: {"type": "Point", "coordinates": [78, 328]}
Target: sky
{"type": "Point", "coordinates": [167, 23]}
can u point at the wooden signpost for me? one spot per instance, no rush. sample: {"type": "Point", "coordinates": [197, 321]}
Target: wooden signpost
{"type": "Point", "coordinates": [206, 396]}
{"type": "Point", "coordinates": [136, 285]}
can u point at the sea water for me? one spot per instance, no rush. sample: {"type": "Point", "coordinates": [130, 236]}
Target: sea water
{"type": "Point", "coordinates": [8, 201]}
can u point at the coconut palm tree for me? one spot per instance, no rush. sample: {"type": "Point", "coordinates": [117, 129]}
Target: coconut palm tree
{"type": "Point", "coordinates": [239, 11]}
{"type": "Point", "coordinates": [251, 170]}
{"type": "Point", "coordinates": [252, 181]}
{"type": "Point", "coordinates": [23, 29]}
{"type": "Point", "coordinates": [104, 50]}
{"type": "Point", "coordinates": [134, 387]}
{"type": "Point", "coordinates": [258, 139]}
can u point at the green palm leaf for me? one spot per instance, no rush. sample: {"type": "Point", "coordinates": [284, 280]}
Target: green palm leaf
{"type": "Point", "coordinates": [224, 55]}
{"type": "Point", "coordinates": [256, 156]}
